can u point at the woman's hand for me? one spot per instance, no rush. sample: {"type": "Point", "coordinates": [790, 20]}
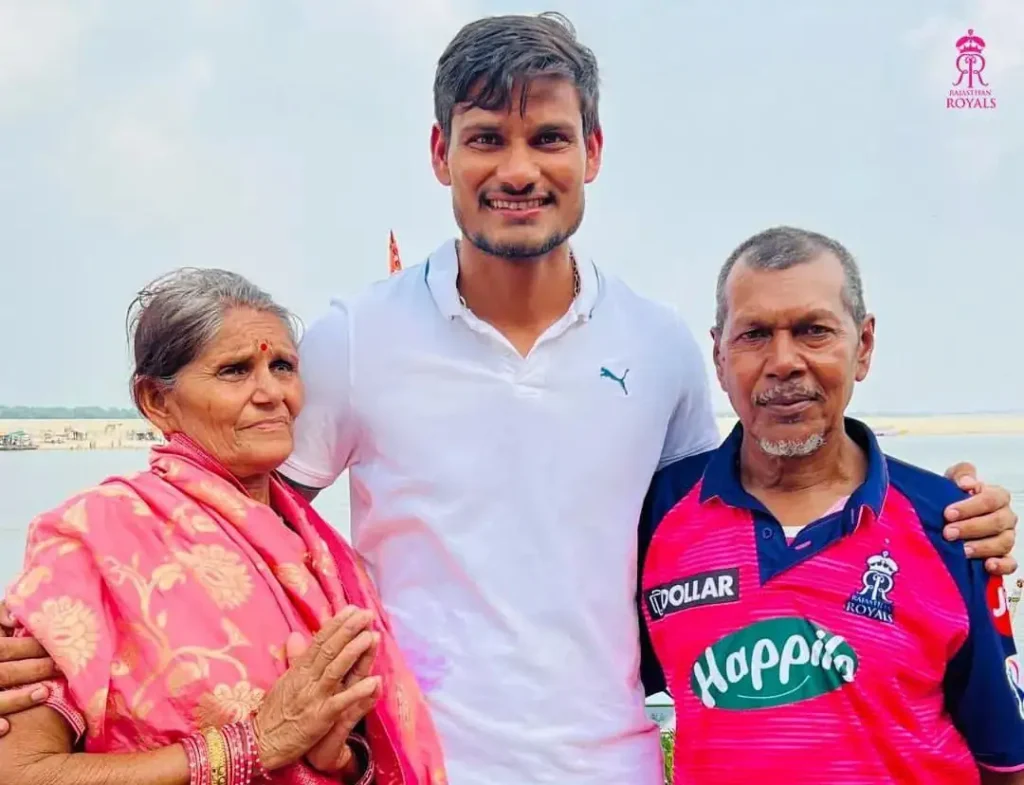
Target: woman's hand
{"type": "Point", "coordinates": [310, 698]}
{"type": "Point", "coordinates": [333, 754]}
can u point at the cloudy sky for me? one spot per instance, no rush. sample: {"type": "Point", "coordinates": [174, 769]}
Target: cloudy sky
{"type": "Point", "coordinates": [284, 140]}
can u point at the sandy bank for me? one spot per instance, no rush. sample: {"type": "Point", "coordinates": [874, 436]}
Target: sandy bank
{"type": "Point", "coordinates": [84, 434]}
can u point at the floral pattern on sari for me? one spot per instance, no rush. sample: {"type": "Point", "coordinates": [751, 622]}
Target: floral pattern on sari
{"type": "Point", "coordinates": [165, 599]}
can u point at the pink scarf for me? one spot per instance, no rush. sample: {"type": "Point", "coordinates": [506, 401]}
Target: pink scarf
{"type": "Point", "coordinates": [165, 599]}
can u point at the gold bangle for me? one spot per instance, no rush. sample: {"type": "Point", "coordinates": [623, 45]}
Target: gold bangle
{"type": "Point", "coordinates": [218, 756]}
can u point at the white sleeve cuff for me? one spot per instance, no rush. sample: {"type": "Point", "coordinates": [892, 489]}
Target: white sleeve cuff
{"type": "Point", "coordinates": [295, 471]}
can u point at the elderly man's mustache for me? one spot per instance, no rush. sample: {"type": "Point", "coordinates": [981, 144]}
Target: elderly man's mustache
{"type": "Point", "coordinates": [785, 394]}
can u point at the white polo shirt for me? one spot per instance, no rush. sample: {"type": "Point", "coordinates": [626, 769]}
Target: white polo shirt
{"type": "Point", "coordinates": [496, 500]}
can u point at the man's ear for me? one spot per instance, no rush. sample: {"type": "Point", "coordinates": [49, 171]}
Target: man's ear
{"type": "Point", "coordinates": [595, 148]}
{"type": "Point", "coordinates": [865, 347]}
{"type": "Point", "coordinates": [439, 155]}
{"type": "Point", "coordinates": [716, 355]}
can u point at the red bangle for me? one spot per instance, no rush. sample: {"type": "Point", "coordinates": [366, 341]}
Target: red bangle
{"type": "Point", "coordinates": [244, 753]}
{"type": "Point", "coordinates": [252, 750]}
{"type": "Point", "coordinates": [243, 759]}
{"type": "Point", "coordinates": [239, 770]}
{"type": "Point", "coordinates": [198, 759]}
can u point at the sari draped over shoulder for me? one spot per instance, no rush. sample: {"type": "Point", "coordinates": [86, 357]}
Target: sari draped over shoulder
{"type": "Point", "coordinates": [166, 598]}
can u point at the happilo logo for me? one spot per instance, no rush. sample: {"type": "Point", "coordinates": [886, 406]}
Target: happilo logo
{"type": "Point", "coordinates": [772, 663]}
{"type": "Point", "coordinates": [970, 90]}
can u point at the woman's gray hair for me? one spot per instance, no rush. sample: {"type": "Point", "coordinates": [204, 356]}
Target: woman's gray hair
{"type": "Point", "coordinates": [172, 320]}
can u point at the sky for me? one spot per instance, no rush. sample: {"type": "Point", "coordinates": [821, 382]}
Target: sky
{"type": "Point", "coordinates": [284, 141]}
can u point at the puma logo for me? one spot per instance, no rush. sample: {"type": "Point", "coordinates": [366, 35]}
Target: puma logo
{"type": "Point", "coordinates": [620, 380]}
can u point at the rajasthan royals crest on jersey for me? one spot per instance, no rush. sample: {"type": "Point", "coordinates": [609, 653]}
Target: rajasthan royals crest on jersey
{"type": "Point", "coordinates": [878, 580]}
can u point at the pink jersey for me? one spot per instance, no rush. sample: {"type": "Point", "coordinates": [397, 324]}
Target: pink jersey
{"type": "Point", "coordinates": [868, 650]}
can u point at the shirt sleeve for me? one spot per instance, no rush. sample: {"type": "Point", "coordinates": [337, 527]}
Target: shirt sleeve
{"type": "Point", "coordinates": [325, 430]}
{"type": "Point", "coordinates": [984, 687]}
{"type": "Point", "coordinates": [692, 428]}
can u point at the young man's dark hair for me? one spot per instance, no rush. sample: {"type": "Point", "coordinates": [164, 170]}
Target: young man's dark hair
{"type": "Point", "coordinates": [489, 56]}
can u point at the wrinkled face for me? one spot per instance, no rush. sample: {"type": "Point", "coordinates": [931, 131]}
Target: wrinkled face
{"type": "Point", "coordinates": [239, 398]}
{"type": "Point", "coordinates": [517, 178]}
{"type": "Point", "coordinates": [790, 353]}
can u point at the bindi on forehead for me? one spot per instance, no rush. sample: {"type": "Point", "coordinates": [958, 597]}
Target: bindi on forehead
{"type": "Point", "coordinates": [248, 346]}
{"type": "Point", "coordinates": [247, 330]}
{"type": "Point", "coordinates": [270, 346]}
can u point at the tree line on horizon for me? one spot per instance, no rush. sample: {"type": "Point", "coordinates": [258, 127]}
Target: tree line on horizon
{"type": "Point", "coordinates": [67, 413]}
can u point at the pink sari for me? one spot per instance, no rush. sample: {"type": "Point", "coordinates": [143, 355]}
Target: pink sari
{"type": "Point", "coordinates": [165, 599]}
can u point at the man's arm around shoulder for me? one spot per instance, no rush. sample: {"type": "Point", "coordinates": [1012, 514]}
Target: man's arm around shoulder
{"type": "Point", "coordinates": [24, 664]}
{"type": "Point", "coordinates": [307, 493]}
{"type": "Point", "coordinates": [325, 430]}
{"type": "Point", "coordinates": [1002, 777]}
{"type": "Point", "coordinates": [668, 486]}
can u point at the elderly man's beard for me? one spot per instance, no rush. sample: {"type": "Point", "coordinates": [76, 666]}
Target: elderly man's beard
{"type": "Point", "coordinates": [789, 448]}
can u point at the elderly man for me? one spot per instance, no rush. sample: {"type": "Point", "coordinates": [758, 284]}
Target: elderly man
{"type": "Point", "coordinates": [812, 623]}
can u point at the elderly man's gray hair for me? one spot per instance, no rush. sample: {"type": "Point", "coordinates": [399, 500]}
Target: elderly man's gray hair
{"type": "Point", "coordinates": [783, 247]}
{"type": "Point", "coordinates": [172, 320]}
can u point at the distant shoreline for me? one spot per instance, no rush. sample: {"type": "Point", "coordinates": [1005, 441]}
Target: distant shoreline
{"type": "Point", "coordinates": [138, 434]}
{"type": "Point", "coordinates": [122, 414]}
{"type": "Point", "coordinates": [68, 413]}
{"type": "Point", "coordinates": [928, 424]}
{"type": "Point", "coordinates": [83, 434]}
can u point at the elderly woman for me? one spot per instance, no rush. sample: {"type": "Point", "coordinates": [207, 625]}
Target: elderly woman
{"type": "Point", "coordinates": [179, 603]}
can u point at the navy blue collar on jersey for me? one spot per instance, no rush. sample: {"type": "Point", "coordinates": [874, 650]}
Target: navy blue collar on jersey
{"type": "Point", "coordinates": [722, 476]}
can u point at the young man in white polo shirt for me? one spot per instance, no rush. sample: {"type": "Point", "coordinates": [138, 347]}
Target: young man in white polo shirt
{"type": "Point", "coordinates": [501, 409]}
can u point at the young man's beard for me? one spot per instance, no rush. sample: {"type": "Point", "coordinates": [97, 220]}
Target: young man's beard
{"type": "Point", "coordinates": [519, 251]}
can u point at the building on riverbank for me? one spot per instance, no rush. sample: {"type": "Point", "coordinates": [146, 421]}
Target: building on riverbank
{"type": "Point", "coordinates": [84, 434]}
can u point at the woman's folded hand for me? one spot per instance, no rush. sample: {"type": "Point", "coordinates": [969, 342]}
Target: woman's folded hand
{"type": "Point", "coordinates": [333, 753]}
{"type": "Point", "coordinates": [321, 692]}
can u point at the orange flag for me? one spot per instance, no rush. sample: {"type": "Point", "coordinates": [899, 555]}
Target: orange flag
{"type": "Point", "coordinates": [394, 260]}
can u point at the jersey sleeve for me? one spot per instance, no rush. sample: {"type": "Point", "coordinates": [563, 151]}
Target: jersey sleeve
{"type": "Point", "coordinates": [325, 431]}
{"type": "Point", "coordinates": [984, 686]}
{"type": "Point", "coordinates": [692, 428]}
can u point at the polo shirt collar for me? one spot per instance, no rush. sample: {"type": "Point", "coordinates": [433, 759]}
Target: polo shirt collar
{"type": "Point", "coordinates": [722, 474]}
{"type": "Point", "coordinates": [442, 271]}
